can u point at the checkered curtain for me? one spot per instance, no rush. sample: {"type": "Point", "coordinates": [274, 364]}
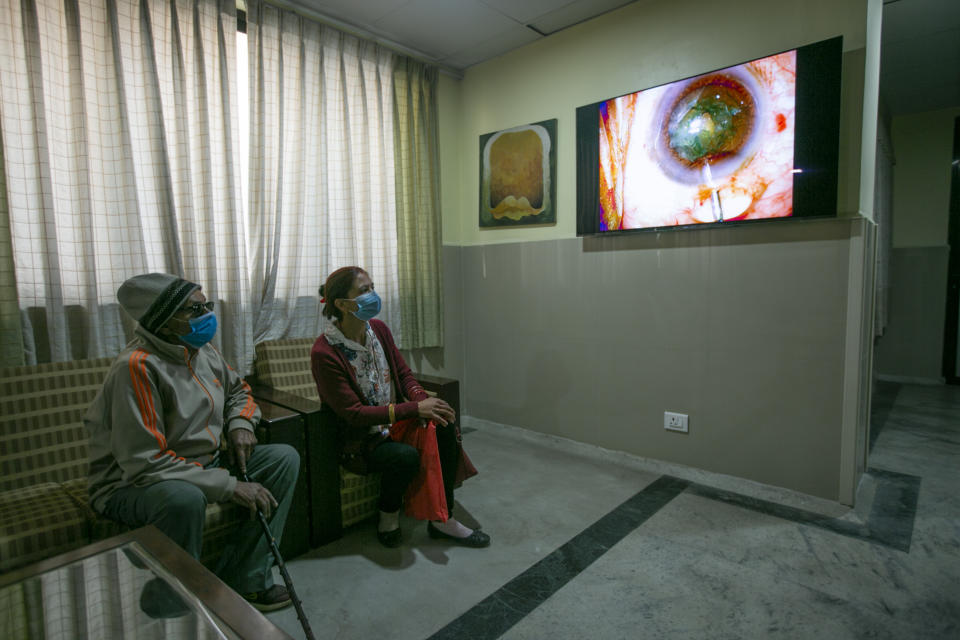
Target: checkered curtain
{"type": "Point", "coordinates": [11, 342]}
{"type": "Point", "coordinates": [322, 190]}
{"type": "Point", "coordinates": [418, 203]}
{"type": "Point", "coordinates": [118, 148]}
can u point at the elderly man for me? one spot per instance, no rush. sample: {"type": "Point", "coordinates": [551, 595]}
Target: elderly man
{"type": "Point", "coordinates": [170, 413]}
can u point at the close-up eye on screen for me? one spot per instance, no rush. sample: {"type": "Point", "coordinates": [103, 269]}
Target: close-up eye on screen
{"type": "Point", "coordinates": [714, 148]}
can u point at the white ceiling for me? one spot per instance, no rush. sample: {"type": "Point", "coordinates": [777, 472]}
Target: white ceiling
{"type": "Point", "coordinates": [455, 34]}
{"type": "Point", "coordinates": [920, 47]}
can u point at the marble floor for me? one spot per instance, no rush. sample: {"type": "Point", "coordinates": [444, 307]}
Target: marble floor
{"type": "Point", "coordinates": [590, 543]}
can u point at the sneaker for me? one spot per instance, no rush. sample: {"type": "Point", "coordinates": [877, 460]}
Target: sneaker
{"type": "Point", "coordinates": [276, 597]}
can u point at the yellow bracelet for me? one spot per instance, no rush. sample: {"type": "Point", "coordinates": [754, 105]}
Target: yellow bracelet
{"type": "Point", "coordinates": [393, 418]}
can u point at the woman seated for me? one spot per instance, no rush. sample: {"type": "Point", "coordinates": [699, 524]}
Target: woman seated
{"type": "Point", "coordinates": [379, 405]}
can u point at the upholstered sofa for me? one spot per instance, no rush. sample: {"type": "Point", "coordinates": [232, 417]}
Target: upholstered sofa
{"type": "Point", "coordinates": [338, 497]}
{"type": "Point", "coordinates": [44, 508]}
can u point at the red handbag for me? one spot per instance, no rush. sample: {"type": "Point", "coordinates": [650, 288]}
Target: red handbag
{"type": "Point", "coordinates": [425, 498]}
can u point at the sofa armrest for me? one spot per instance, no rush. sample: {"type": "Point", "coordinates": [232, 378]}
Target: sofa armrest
{"type": "Point", "coordinates": [281, 425]}
{"type": "Point", "coordinates": [447, 389]}
{"type": "Point", "coordinates": [321, 462]}
{"type": "Point", "coordinates": [267, 393]}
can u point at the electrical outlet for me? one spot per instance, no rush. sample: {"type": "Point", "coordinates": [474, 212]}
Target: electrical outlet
{"type": "Point", "coordinates": [675, 421]}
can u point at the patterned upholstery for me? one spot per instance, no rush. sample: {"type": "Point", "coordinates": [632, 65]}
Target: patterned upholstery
{"type": "Point", "coordinates": [42, 438]}
{"type": "Point", "coordinates": [285, 365]}
{"type": "Point", "coordinates": [220, 520]}
{"type": "Point", "coordinates": [44, 505]}
{"type": "Point", "coordinates": [37, 522]}
{"type": "Point", "coordinates": [359, 496]}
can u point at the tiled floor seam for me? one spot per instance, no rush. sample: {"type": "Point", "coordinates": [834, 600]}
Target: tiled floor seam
{"type": "Point", "coordinates": [890, 524]}
{"type": "Point", "coordinates": [498, 612]}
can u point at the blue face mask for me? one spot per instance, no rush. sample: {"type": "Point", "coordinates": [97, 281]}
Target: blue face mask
{"type": "Point", "coordinates": [369, 306]}
{"type": "Point", "coordinates": [202, 330]}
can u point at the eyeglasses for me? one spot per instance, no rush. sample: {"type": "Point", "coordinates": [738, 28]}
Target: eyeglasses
{"type": "Point", "coordinates": [198, 308]}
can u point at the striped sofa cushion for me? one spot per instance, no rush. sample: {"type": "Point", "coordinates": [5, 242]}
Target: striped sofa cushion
{"type": "Point", "coordinates": [221, 519]}
{"type": "Point", "coordinates": [44, 504]}
{"type": "Point", "coordinates": [285, 365]}
{"type": "Point", "coordinates": [42, 438]}
{"type": "Point", "coordinates": [37, 522]}
{"type": "Point", "coordinates": [359, 497]}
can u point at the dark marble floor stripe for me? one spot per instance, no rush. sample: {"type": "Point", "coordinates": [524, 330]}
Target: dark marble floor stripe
{"type": "Point", "coordinates": [890, 522]}
{"type": "Point", "coordinates": [501, 610]}
{"type": "Point", "coordinates": [894, 507]}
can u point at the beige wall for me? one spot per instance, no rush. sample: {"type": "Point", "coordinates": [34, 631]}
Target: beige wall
{"type": "Point", "coordinates": [593, 339]}
{"type": "Point", "coordinates": [911, 348]}
{"type": "Point", "coordinates": [923, 149]}
{"type": "Point", "coordinates": [450, 108]}
{"type": "Point", "coordinates": [644, 44]}
{"type": "Point", "coordinates": [753, 331]}
{"type": "Point", "coordinates": [446, 360]}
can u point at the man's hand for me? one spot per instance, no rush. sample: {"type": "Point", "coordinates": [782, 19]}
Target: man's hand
{"type": "Point", "coordinates": [242, 442]}
{"type": "Point", "coordinates": [253, 495]}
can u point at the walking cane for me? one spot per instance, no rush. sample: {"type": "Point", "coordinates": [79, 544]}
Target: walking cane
{"type": "Point", "coordinates": [283, 568]}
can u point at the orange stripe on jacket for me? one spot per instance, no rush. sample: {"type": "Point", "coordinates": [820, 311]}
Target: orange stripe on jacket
{"type": "Point", "coordinates": [138, 375]}
{"type": "Point", "coordinates": [172, 454]}
{"type": "Point", "coordinates": [249, 408]}
{"type": "Point", "coordinates": [145, 385]}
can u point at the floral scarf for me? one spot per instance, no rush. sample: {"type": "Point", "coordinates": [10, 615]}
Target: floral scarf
{"type": "Point", "coordinates": [369, 363]}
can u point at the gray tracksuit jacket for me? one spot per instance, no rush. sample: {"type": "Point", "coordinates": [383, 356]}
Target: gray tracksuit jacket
{"type": "Point", "coordinates": [161, 416]}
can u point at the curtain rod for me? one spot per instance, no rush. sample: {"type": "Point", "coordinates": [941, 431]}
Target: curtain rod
{"type": "Point", "coordinates": [313, 14]}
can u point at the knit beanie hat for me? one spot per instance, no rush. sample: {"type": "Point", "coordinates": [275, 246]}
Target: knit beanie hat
{"type": "Point", "coordinates": [152, 298]}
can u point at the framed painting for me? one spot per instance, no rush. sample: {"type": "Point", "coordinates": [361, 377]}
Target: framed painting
{"type": "Point", "coordinates": [518, 169]}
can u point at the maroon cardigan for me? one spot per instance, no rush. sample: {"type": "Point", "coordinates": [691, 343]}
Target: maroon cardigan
{"type": "Point", "coordinates": [340, 392]}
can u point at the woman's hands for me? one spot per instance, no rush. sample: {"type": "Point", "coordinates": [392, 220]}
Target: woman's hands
{"type": "Point", "coordinates": [437, 410]}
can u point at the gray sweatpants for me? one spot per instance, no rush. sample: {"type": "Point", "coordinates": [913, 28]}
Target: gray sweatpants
{"type": "Point", "coordinates": [177, 508]}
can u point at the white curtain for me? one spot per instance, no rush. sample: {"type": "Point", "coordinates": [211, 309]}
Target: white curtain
{"type": "Point", "coordinates": [322, 188]}
{"type": "Point", "coordinates": [119, 144]}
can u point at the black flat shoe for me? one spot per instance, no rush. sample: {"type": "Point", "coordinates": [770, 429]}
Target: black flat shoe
{"type": "Point", "coordinates": [390, 539]}
{"type": "Point", "coordinates": [477, 539]}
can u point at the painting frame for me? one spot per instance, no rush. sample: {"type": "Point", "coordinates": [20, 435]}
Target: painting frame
{"type": "Point", "coordinates": [518, 168]}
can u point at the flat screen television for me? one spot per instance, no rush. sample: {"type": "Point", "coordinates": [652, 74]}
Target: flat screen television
{"type": "Point", "coordinates": [756, 141]}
